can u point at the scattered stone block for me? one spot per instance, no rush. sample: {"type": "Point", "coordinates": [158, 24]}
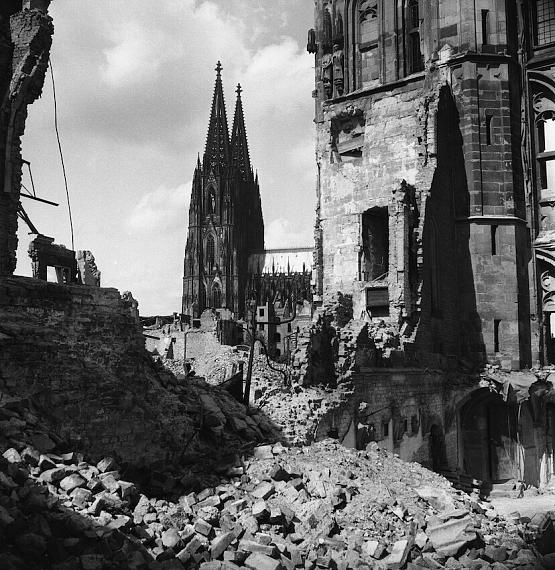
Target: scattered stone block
{"type": "Point", "coordinates": [71, 482]}
{"type": "Point", "coordinates": [264, 490]}
{"type": "Point", "coordinates": [263, 452]}
{"type": "Point", "coordinates": [12, 455]}
{"type": "Point", "coordinates": [203, 527]}
{"type": "Point", "coordinates": [220, 544]}
{"type": "Point", "coordinates": [257, 561]}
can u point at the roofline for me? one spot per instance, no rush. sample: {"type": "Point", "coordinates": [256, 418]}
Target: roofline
{"type": "Point", "coordinates": [282, 249]}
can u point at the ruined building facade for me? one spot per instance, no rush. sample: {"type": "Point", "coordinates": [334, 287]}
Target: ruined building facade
{"type": "Point", "coordinates": [436, 188]}
{"type": "Point", "coordinates": [25, 40]}
{"type": "Point", "coordinates": [225, 216]}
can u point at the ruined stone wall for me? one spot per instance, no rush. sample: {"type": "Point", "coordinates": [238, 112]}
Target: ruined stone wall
{"type": "Point", "coordinates": [439, 150]}
{"type": "Point", "coordinates": [25, 40]}
{"type": "Point", "coordinates": [78, 354]}
{"type": "Point", "coordinates": [398, 408]}
{"type": "Point", "coordinates": [391, 154]}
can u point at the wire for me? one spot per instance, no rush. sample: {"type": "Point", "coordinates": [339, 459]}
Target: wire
{"type": "Point", "coordinates": [61, 153]}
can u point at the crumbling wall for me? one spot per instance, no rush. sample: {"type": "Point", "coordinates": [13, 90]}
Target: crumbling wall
{"type": "Point", "coordinates": [78, 354]}
{"type": "Point", "coordinates": [25, 40]}
{"type": "Point", "coordinates": [397, 409]}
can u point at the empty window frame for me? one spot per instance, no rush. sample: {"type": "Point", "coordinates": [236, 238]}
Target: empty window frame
{"type": "Point", "coordinates": [375, 245]}
{"type": "Point", "coordinates": [415, 61]}
{"type": "Point", "coordinates": [485, 27]}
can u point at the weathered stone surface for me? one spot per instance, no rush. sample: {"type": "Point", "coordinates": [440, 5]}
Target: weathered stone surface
{"type": "Point", "coordinates": [71, 482]}
{"type": "Point", "coordinates": [259, 561]}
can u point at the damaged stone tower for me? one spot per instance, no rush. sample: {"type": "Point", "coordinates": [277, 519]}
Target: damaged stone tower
{"type": "Point", "coordinates": [225, 216]}
{"type": "Point", "coordinates": [433, 132]}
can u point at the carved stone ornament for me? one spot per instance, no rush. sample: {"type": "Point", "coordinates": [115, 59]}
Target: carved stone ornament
{"type": "Point", "coordinates": [338, 62]}
{"type": "Point", "coordinates": [548, 288]}
{"type": "Point", "coordinates": [327, 74]}
{"type": "Point", "coordinates": [368, 11]}
{"type": "Point", "coordinates": [544, 106]}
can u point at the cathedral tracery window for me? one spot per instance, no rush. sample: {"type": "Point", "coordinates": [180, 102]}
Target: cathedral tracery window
{"type": "Point", "coordinates": [210, 253]}
{"type": "Point", "coordinates": [368, 34]}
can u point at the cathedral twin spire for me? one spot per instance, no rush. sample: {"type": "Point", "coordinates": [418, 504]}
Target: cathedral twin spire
{"type": "Point", "coordinates": [220, 149]}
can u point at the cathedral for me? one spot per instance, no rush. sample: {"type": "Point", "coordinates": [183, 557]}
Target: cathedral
{"type": "Point", "coordinates": [225, 216]}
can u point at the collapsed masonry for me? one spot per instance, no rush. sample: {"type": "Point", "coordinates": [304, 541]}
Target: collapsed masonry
{"type": "Point", "coordinates": [327, 507]}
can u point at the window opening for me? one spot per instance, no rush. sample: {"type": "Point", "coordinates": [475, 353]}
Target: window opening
{"type": "Point", "coordinates": [494, 239]}
{"type": "Point", "coordinates": [217, 296]}
{"type": "Point", "coordinates": [210, 253]}
{"type": "Point", "coordinates": [385, 429]}
{"type": "Point", "coordinates": [485, 27]}
{"type": "Point", "coordinates": [414, 55]}
{"type": "Point", "coordinates": [489, 119]}
{"type": "Point", "coordinates": [368, 35]}
{"type": "Point", "coordinates": [546, 155]}
{"type": "Point", "coordinates": [375, 244]}
{"type": "Point", "coordinates": [545, 22]}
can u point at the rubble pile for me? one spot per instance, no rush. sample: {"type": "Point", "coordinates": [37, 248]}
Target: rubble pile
{"type": "Point", "coordinates": [293, 409]}
{"type": "Point", "coordinates": [318, 507]}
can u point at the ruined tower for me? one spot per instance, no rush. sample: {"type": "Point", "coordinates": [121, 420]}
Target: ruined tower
{"type": "Point", "coordinates": [225, 215]}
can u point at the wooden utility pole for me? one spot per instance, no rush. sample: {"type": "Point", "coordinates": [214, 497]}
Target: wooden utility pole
{"type": "Point", "coordinates": [246, 395]}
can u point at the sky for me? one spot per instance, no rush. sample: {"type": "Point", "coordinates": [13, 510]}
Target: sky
{"type": "Point", "coordinates": [134, 84]}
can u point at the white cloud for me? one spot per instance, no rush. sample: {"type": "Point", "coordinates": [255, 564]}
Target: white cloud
{"type": "Point", "coordinates": [134, 93]}
{"type": "Point", "coordinates": [162, 209]}
{"type": "Point", "coordinates": [133, 58]}
{"type": "Point", "coordinates": [280, 233]}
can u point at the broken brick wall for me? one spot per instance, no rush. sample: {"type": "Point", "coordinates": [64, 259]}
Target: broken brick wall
{"type": "Point", "coordinates": [25, 40]}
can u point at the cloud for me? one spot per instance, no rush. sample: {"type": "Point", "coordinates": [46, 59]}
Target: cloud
{"type": "Point", "coordinates": [163, 209]}
{"type": "Point", "coordinates": [280, 233]}
{"type": "Point", "coordinates": [134, 90]}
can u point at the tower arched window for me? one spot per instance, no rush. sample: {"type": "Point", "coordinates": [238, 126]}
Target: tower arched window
{"type": "Point", "coordinates": [367, 35]}
{"type": "Point", "coordinates": [415, 61]}
{"type": "Point", "coordinates": [210, 253]}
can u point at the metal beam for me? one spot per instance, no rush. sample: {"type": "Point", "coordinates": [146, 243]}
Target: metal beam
{"type": "Point", "coordinates": [23, 195]}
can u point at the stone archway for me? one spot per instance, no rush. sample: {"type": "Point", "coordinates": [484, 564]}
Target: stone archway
{"type": "Point", "coordinates": [490, 437]}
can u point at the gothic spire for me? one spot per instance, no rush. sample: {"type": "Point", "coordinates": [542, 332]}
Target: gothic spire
{"type": "Point", "coordinates": [239, 143]}
{"type": "Point", "coordinates": [217, 143]}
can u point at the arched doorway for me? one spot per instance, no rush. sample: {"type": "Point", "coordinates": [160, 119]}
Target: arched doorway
{"type": "Point", "coordinates": [490, 437]}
